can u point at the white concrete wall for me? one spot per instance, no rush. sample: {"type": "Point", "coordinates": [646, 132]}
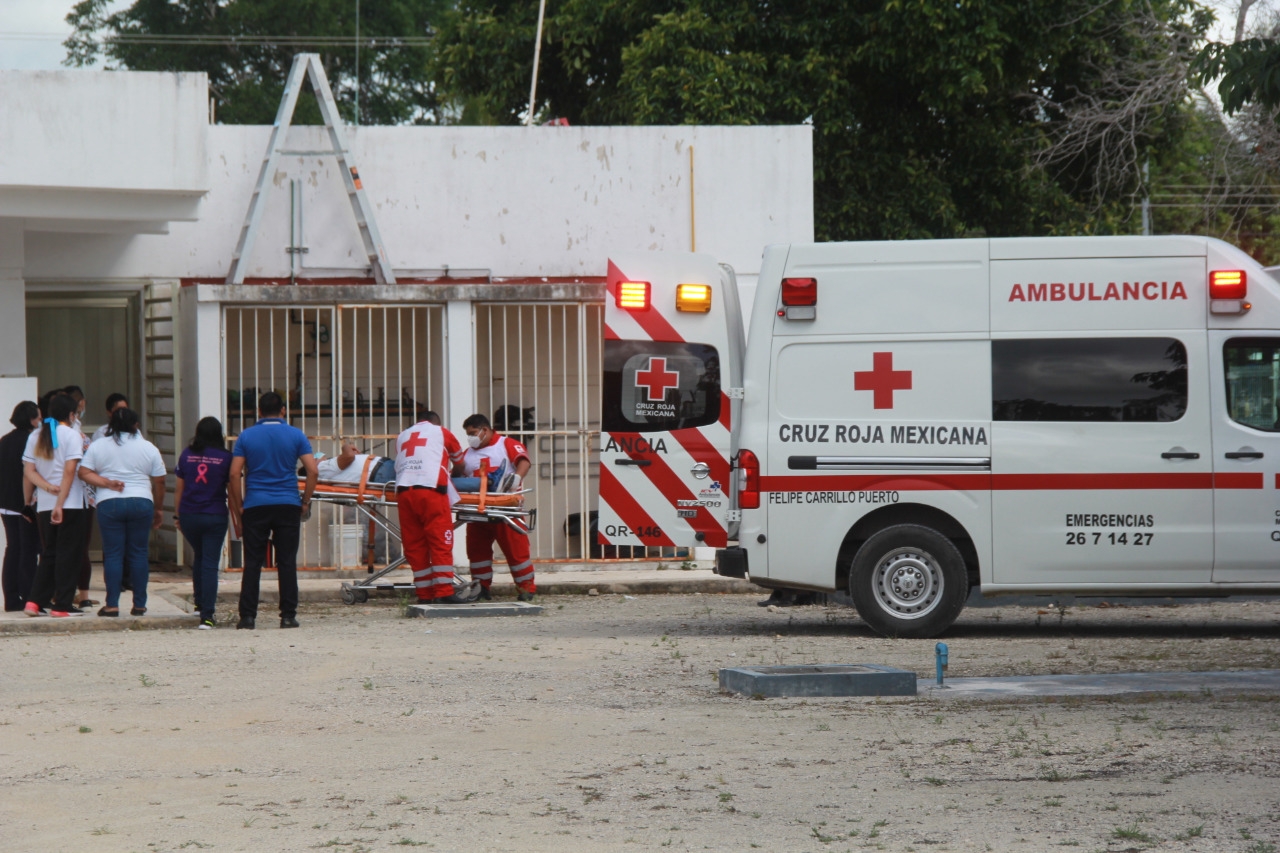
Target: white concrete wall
{"type": "Point", "coordinates": [515, 201]}
{"type": "Point", "coordinates": [103, 130]}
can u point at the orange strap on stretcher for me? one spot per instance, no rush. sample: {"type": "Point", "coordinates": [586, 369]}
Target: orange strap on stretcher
{"type": "Point", "coordinates": [364, 478]}
{"type": "Point", "coordinates": [484, 482]}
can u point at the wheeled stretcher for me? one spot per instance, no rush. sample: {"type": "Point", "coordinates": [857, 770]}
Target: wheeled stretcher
{"type": "Point", "coordinates": [372, 502]}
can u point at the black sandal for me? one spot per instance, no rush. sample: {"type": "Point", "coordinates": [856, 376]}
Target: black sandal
{"type": "Point", "coordinates": [103, 611]}
{"type": "Point", "coordinates": [87, 603]}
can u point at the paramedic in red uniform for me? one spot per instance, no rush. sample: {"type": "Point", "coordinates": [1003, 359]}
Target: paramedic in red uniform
{"type": "Point", "coordinates": [426, 519]}
{"type": "Point", "coordinates": [508, 456]}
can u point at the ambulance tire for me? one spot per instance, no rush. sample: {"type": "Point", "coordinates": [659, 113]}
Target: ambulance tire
{"type": "Point", "coordinates": [908, 581]}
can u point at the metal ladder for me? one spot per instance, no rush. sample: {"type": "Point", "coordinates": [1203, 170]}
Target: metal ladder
{"type": "Point", "coordinates": [304, 64]}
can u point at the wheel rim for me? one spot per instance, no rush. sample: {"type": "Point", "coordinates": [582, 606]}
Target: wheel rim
{"type": "Point", "coordinates": [907, 582]}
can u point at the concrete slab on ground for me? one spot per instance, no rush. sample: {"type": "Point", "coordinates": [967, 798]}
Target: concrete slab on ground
{"type": "Point", "coordinates": [164, 610]}
{"type": "Point", "coordinates": [614, 582]}
{"type": "Point", "coordinates": [859, 679]}
{"type": "Point", "coordinates": [473, 609]}
{"type": "Point", "coordinates": [1262, 680]}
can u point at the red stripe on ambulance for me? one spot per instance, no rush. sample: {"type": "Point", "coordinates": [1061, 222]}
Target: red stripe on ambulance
{"type": "Point", "coordinates": [632, 514]}
{"type": "Point", "coordinates": [1011, 482]}
{"type": "Point", "coordinates": [672, 487]}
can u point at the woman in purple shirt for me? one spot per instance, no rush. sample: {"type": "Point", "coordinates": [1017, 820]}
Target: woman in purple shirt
{"type": "Point", "coordinates": [201, 499]}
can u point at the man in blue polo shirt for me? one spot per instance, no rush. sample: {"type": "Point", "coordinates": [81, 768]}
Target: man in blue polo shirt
{"type": "Point", "coordinates": [267, 454]}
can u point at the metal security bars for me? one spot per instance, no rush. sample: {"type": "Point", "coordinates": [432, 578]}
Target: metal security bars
{"type": "Point", "coordinates": [537, 368]}
{"type": "Point", "coordinates": [357, 372]}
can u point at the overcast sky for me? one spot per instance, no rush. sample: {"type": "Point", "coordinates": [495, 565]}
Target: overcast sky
{"type": "Point", "coordinates": [27, 19]}
{"type": "Point", "coordinates": [32, 31]}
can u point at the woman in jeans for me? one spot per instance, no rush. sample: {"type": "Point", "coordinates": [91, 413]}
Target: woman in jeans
{"type": "Point", "coordinates": [201, 499]}
{"type": "Point", "coordinates": [49, 462]}
{"type": "Point", "coordinates": [128, 474]}
{"type": "Point", "coordinates": [22, 540]}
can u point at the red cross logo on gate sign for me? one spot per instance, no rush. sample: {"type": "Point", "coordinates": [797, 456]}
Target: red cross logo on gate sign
{"type": "Point", "coordinates": [882, 380]}
{"type": "Point", "coordinates": [410, 447]}
{"type": "Point", "coordinates": [657, 379]}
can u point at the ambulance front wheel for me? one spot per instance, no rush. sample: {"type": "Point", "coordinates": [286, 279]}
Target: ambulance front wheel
{"type": "Point", "coordinates": [908, 581]}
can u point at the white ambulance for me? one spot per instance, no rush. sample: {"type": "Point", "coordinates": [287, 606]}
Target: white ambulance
{"type": "Point", "coordinates": [912, 419]}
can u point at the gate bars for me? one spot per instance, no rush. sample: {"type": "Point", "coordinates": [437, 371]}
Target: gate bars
{"type": "Point", "coordinates": [538, 379]}
{"type": "Point", "coordinates": [360, 372]}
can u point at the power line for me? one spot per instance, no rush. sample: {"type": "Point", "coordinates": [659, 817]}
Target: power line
{"type": "Point", "coordinates": [384, 42]}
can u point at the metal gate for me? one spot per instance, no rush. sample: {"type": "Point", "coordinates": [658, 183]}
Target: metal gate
{"type": "Point", "coordinates": [359, 372]}
{"type": "Point", "coordinates": [538, 379]}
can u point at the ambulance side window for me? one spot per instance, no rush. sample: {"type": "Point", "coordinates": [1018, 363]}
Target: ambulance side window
{"type": "Point", "coordinates": [653, 386]}
{"type": "Point", "coordinates": [1136, 380]}
{"type": "Point", "coordinates": [1253, 378]}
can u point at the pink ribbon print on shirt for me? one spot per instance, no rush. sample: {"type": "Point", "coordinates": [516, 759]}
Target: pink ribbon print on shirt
{"type": "Point", "coordinates": [201, 470]}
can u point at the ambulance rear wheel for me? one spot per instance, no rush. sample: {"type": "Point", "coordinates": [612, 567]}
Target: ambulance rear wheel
{"type": "Point", "coordinates": [908, 581]}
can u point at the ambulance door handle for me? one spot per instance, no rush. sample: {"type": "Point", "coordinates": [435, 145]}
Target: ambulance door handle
{"type": "Point", "coordinates": [1245, 454]}
{"type": "Point", "coordinates": [640, 462]}
{"type": "Point", "coordinates": [1179, 454]}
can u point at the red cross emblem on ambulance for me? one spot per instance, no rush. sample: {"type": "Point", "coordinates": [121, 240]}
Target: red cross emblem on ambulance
{"type": "Point", "coordinates": [657, 379]}
{"type": "Point", "coordinates": [882, 380]}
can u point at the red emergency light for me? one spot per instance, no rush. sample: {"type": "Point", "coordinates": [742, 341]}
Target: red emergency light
{"type": "Point", "coordinates": [1228, 284]}
{"type": "Point", "coordinates": [749, 492]}
{"type": "Point", "coordinates": [633, 295]}
{"type": "Point", "coordinates": [799, 291]}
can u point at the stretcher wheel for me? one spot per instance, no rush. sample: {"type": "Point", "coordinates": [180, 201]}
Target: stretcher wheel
{"type": "Point", "coordinates": [362, 595]}
{"type": "Point", "coordinates": [348, 595]}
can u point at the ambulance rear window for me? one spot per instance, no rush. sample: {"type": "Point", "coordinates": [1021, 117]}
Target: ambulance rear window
{"type": "Point", "coordinates": [1135, 380]}
{"type": "Point", "coordinates": [653, 386]}
{"type": "Point", "coordinates": [1253, 381]}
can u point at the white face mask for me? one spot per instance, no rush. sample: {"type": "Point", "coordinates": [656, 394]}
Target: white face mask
{"type": "Point", "coordinates": [473, 441]}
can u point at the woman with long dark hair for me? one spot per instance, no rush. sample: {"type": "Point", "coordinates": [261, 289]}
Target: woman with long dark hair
{"type": "Point", "coordinates": [50, 459]}
{"type": "Point", "coordinates": [22, 539]}
{"type": "Point", "coordinates": [200, 496]}
{"type": "Point", "coordinates": [128, 474]}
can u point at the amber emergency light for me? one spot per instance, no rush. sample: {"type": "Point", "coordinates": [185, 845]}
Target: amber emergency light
{"type": "Point", "coordinates": [1227, 290]}
{"type": "Point", "coordinates": [633, 295]}
{"type": "Point", "coordinates": [695, 298]}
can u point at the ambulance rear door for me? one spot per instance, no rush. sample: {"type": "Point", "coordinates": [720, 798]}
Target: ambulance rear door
{"type": "Point", "coordinates": [673, 346]}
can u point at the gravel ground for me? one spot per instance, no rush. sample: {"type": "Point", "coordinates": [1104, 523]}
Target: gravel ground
{"type": "Point", "coordinates": [599, 726]}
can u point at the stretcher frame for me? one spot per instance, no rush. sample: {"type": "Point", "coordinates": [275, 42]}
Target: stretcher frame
{"type": "Point", "coordinates": [372, 500]}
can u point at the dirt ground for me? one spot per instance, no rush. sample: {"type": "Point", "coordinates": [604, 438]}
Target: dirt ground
{"type": "Point", "coordinates": [599, 726]}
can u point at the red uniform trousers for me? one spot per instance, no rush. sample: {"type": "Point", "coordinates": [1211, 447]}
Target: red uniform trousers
{"type": "Point", "coordinates": [426, 532]}
{"type": "Point", "coordinates": [515, 547]}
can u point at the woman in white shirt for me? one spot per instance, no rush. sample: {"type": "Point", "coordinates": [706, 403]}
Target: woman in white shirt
{"type": "Point", "coordinates": [128, 475]}
{"type": "Point", "coordinates": [49, 462]}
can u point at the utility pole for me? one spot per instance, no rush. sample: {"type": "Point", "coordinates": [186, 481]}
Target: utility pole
{"type": "Point", "coordinates": [537, 55]}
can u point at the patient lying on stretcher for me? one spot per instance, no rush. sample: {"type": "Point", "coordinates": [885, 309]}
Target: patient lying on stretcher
{"type": "Point", "coordinates": [349, 467]}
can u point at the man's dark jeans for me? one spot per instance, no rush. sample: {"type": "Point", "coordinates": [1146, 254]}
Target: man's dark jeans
{"type": "Point", "coordinates": [282, 524]}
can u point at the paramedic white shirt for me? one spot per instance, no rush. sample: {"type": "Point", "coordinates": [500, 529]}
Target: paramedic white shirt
{"type": "Point", "coordinates": [134, 461]}
{"type": "Point", "coordinates": [69, 447]}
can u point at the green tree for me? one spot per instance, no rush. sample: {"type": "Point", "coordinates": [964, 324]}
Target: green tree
{"type": "Point", "coordinates": [246, 47]}
{"type": "Point", "coordinates": [932, 118]}
{"type": "Point", "coordinates": [1247, 71]}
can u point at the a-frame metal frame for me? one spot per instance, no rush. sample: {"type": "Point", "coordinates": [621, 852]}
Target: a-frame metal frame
{"type": "Point", "coordinates": [304, 64]}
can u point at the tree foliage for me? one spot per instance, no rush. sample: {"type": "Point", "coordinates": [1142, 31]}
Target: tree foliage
{"type": "Point", "coordinates": [1249, 70]}
{"type": "Point", "coordinates": [932, 118]}
{"type": "Point", "coordinates": [246, 47]}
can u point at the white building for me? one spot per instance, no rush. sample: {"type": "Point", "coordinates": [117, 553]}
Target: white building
{"type": "Point", "coordinates": [120, 207]}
